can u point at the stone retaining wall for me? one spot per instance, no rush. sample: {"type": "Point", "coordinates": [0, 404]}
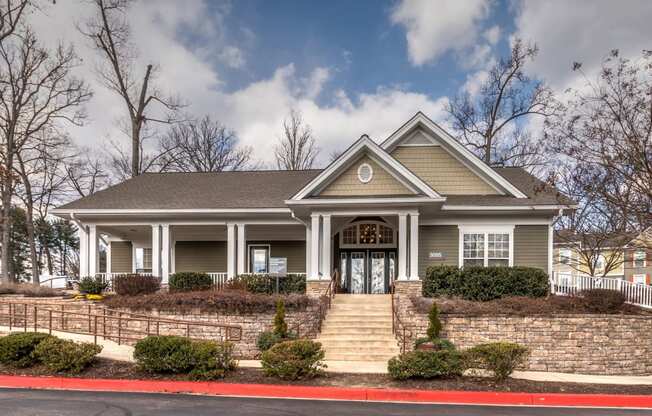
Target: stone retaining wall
{"type": "Point", "coordinates": [578, 343]}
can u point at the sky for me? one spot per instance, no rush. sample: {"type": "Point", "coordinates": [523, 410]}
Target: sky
{"type": "Point", "coordinates": [350, 67]}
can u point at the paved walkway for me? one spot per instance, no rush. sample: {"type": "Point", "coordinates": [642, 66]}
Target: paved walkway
{"type": "Point", "coordinates": [114, 351]}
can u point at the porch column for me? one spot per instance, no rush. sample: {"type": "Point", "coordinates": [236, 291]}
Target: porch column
{"type": "Point", "coordinates": [82, 233]}
{"type": "Point", "coordinates": [314, 247]}
{"type": "Point", "coordinates": [308, 250]}
{"type": "Point", "coordinates": [414, 246]}
{"type": "Point", "coordinates": [108, 257]}
{"type": "Point", "coordinates": [326, 247]}
{"type": "Point", "coordinates": [156, 250]}
{"type": "Point", "coordinates": [165, 252]}
{"type": "Point", "coordinates": [230, 251]}
{"type": "Point", "coordinates": [402, 246]}
{"type": "Point", "coordinates": [242, 250]}
{"type": "Point", "coordinates": [93, 250]}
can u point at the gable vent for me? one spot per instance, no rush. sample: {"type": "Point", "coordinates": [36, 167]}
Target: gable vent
{"type": "Point", "coordinates": [365, 173]}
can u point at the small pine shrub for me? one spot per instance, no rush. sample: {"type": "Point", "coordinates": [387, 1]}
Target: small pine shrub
{"type": "Point", "coordinates": [135, 284]}
{"type": "Point", "coordinates": [61, 355]}
{"type": "Point", "coordinates": [501, 358]}
{"type": "Point", "coordinates": [427, 364]}
{"type": "Point", "coordinates": [16, 350]}
{"type": "Point", "coordinates": [280, 326]}
{"type": "Point", "coordinates": [434, 324]}
{"type": "Point", "coordinates": [190, 281]}
{"type": "Point", "coordinates": [164, 354]}
{"type": "Point", "coordinates": [602, 300]}
{"type": "Point", "coordinates": [92, 285]}
{"type": "Point", "coordinates": [294, 360]}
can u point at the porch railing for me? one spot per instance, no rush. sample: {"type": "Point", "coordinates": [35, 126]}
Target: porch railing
{"type": "Point", "coordinates": [55, 282]}
{"type": "Point", "coordinates": [568, 285]}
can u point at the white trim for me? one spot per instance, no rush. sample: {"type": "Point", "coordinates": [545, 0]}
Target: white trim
{"type": "Point", "coordinates": [444, 136]}
{"type": "Point", "coordinates": [171, 211]}
{"type": "Point", "coordinates": [485, 229]}
{"type": "Point", "coordinates": [82, 233]}
{"type": "Point", "coordinates": [314, 246]}
{"type": "Point", "coordinates": [414, 246]}
{"type": "Point", "coordinates": [308, 249]}
{"type": "Point", "coordinates": [497, 221]}
{"type": "Point", "coordinates": [364, 212]}
{"type": "Point", "coordinates": [241, 255]}
{"type": "Point", "coordinates": [347, 158]}
{"type": "Point", "coordinates": [371, 172]}
{"type": "Point", "coordinates": [550, 250]}
{"type": "Point", "coordinates": [248, 256]}
{"type": "Point", "coordinates": [294, 221]}
{"type": "Point", "coordinates": [156, 250]}
{"type": "Point", "coordinates": [93, 250]}
{"type": "Point", "coordinates": [165, 252]}
{"type": "Point", "coordinates": [326, 247]}
{"type": "Point", "coordinates": [359, 201]}
{"type": "Point", "coordinates": [639, 250]}
{"type": "Point", "coordinates": [108, 257]}
{"type": "Point", "coordinates": [402, 246]}
{"type": "Point", "coordinates": [230, 251]}
{"type": "Point", "coordinates": [504, 207]}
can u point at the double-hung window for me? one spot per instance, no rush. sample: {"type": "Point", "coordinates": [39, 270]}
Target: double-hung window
{"type": "Point", "coordinates": [565, 255]}
{"type": "Point", "coordinates": [639, 258]}
{"type": "Point", "coordinates": [486, 246]}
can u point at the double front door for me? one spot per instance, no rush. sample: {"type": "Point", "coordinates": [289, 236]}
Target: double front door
{"type": "Point", "coordinates": [367, 271]}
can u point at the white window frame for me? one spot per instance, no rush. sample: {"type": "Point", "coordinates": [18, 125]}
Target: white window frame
{"type": "Point", "coordinates": [638, 276]}
{"type": "Point", "coordinates": [357, 225]}
{"type": "Point", "coordinates": [636, 253]}
{"type": "Point", "coordinates": [269, 255]}
{"type": "Point", "coordinates": [486, 230]}
{"type": "Point", "coordinates": [562, 255]}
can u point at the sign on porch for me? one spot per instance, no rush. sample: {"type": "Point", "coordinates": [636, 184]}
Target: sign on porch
{"type": "Point", "coordinates": [436, 255]}
{"type": "Point", "coordinates": [278, 265]}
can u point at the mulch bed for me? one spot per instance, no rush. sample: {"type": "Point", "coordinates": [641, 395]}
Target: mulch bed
{"type": "Point", "coordinates": [518, 306]}
{"type": "Point", "coordinates": [110, 369]}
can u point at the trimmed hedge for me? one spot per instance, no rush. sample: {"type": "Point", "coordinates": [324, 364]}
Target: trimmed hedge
{"type": "Point", "coordinates": [135, 284]}
{"type": "Point", "coordinates": [16, 349]}
{"type": "Point", "coordinates": [501, 358]}
{"type": "Point", "coordinates": [190, 281]}
{"type": "Point", "coordinates": [267, 284]}
{"type": "Point", "coordinates": [478, 283]}
{"type": "Point", "coordinates": [602, 300]}
{"type": "Point", "coordinates": [211, 360]}
{"type": "Point", "coordinates": [427, 364]}
{"type": "Point", "coordinates": [294, 360]}
{"type": "Point", "coordinates": [61, 355]}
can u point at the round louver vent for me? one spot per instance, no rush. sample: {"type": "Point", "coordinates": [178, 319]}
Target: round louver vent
{"type": "Point", "coordinates": [365, 173]}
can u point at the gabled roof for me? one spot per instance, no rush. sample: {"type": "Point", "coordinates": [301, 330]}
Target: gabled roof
{"type": "Point", "coordinates": [366, 146]}
{"type": "Point", "coordinates": [463, 154]}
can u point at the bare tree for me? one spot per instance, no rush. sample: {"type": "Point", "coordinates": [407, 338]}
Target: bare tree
{"type": "Point", "coordinates": [202, 146]}
{"type": "Point", "coordinates": [85, 173]}
{"type": "Point", "coordinates": [37, 91]}
{"type": "Point", "coordinates": [296, 149]}
{"type": "Point", "coordinates": [490, 123]}
{"type": "Point", "coordinates": [606, 134]}
{"type": "Point", "coordinates": [110, 33]}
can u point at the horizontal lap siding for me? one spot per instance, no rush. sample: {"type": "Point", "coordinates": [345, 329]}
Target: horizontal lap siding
{"type": "Point", "coordinates": [200, 256]}
{"type": "Point", "coordinates": [438, 238]}
{"type": "Point", "coordinates": [531, 246]}
{"type": "Point", "coordinates": [121, 261]}
{"type": "Point", "coordinates": [381, 183]}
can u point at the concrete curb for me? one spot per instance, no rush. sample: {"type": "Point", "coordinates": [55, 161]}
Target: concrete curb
{"type": "Point", "coordinates": [329, 393]}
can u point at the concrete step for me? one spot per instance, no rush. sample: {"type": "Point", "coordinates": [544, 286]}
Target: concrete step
{"type": "Point", "coordinates": [360, 310]}
{"type": "Point", "coordinates": [357, 331]}
{"type": "Point", "coordinates": [364, 352]}
{"type": "Point", "coordinates": [357, 319]}
{"type": "Point", "coordinates": [358, 357]}
{"type": "Point", "coordinates": [357, 325]}
{"type": "Point", "coordinates": [353, 338]}
{"type": "Point", "coordinates": [363, 344]}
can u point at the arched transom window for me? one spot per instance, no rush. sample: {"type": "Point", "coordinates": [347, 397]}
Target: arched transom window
{"type": "Point", "coordinates": [368, 234]}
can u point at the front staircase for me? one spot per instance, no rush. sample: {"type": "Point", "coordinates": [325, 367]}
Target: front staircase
{"type": "Point", "coordinates": [359, 328]}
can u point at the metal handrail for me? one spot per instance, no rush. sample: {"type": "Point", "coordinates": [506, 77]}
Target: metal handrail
{"type": "Point", "coordinates": [107, 324]}
{"type": "Point", "coordinates": [399, 329]}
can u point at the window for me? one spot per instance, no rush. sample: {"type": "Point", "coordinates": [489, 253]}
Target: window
{"type": "Point", "coordinates": [600, 263]}
{"type": "Point", "coordinates": [350, 235]}
{"type": "Point", "coordinates": [365, 173]}
{"type": "Point", "coordinates": [473, 250]}
{"type": "Point", "coordinates": [486, 246]}
{"type": "Point", "coordinates": [385, 235]}
{"type": "Point", "coordinates": [259, 259]}
{"type": "Point", "coordinates": [639, 258]}
{"type": "Point", "coordinates": [368, 234]}
{"type": "Point", "coordinates": [639, 279]}
{"type": "Point", "coordinates": [143, 260]}
{"type": "Point", "coordinates": [565, 255]}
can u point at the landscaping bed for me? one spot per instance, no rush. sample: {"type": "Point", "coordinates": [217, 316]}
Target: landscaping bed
{"type": "Point", "coordinates": [518, 306]}
{"type": "Point", "coordinates": [29, 290]}
{"type": "Point", "coordinates": [109, 369]}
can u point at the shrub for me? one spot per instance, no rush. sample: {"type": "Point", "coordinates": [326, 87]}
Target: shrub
{"type": "Point", "coordinates": [16, 350]}
{"type": "Point", "coordinates": [434, 324]}
{"type": "Point", "coordinates": [135, 284]}
{"type": "Point", "coordinates": [29, 290]}
{"type": "Point", "coordinates": [164, 354]}
{"type": "Point", "coordinates": [280, 327]}
{"type": "Point", "coordinates": [438, 344]}
{"type": "Point", "coordinates": [485, 283]}
{"type": "Point", "coordinates": [211, 360]}
{"type": "Point", "coordinates": [190, 281]}
{"type": "Point", "coordinates": [226, 301]}
{"type": "Point", "coordinates": [426, 364]}
{"type": "Point", "coordinates": [267, 284]}
{"type": "Point", "coordinates": [61, 355]}
{"type": "Point", "coordinates": [501, 358]}
{"type": "Point", "coordinates": [92, 285]}
{"type": "Point", "coordinates": [294, 360]}
{"type": "Point", "coordinates": [602, 300]}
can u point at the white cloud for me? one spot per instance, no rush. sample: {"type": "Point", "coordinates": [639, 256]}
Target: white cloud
{"type": "Point", "coordinates": [434, 27]}
{"type": "Point", "coordinates": [492, 35]}
{"type": "Point", "coordinates": [576, 31]}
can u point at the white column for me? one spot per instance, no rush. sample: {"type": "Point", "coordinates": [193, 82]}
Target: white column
{"type": "Point", "coordinates": [230, 251]}
{"type": "Point", "coordinates": [314, 247]}
{"type": "Point", "coordinates": [82, 233]}
{"type": "Point", "coordinates": [326, 247]}
{"type": "Point", "coordinates": [414, 246]}
{"type": "Point", "coordinates": [242, 249]}
{"type": "Point", "coordinates": [165, 252]}
{"type": "Point", "coordinates": [402, 246]}
{"type": "Point", "coordinates": [308, 250]}
{"type": "Point", "coordinates": [156, 250]}
{"type": "Point", "coordinates": [93, 250]}
{"type": "Point", "coordinates": [108, 257]}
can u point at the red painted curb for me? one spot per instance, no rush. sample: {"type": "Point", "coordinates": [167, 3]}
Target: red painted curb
{"type": "Point", "coordinates": [328, 393]}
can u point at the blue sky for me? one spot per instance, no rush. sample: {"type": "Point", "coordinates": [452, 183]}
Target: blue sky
{"type": "Point", "coordinates": [350, 67]}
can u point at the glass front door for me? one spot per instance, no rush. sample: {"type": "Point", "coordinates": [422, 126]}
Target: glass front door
{"type": "Point", "coordinates": [368, 271]}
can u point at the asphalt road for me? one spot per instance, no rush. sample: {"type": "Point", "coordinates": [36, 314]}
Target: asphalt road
{"type": "Point", "coordinates": [70, 403]}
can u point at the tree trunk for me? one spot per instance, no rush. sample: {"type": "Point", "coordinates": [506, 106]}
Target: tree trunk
{"type": "Point", "coordinates": [29, 224]}
{"type": "Point", "coordinates": [48, 258]}
{"type": "Point", "coordinates": [6, 264]}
